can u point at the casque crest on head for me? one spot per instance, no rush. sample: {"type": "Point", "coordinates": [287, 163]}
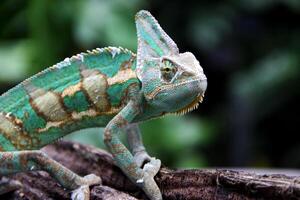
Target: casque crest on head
{"type": "Point", "coordinates": [153, 42]}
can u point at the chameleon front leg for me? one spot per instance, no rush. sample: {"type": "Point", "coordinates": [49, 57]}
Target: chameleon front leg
{"type": "Point", "coordinates": [144, 178]}
{"type": "Point", "coordinates": [20, 161]}
{"type": "Point", "coordinates": [136, 145]}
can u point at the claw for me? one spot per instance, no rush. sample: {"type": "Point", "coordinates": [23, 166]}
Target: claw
{"type": "Point", "coordinates": [152, 167]}
{"type": "Point", "coordinates": [82, 193]}
{"type": "Point", "coordinates": [90, 180]}
{"type": "Point", "coordinates": [147, 183]}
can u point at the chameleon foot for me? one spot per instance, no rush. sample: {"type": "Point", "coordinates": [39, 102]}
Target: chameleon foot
{"type": "Point", "coordinates": [83, 192]}
{"type": "Point", "coordinates": [141, 158]}
{"type": "Point", "coordinates": [152, 167]}
{"type": "Point", "coordinates": [147, 183]}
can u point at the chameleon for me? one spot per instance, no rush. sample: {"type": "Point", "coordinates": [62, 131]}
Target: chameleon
{"type": "Point", "coordinates": [109, 87]}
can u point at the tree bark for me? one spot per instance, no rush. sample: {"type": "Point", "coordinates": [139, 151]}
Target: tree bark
{"type": "Point", "coordinates": [174, 184]}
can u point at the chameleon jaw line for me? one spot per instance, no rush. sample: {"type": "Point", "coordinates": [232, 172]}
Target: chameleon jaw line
{"type": "Point", "coordinates": [170, 87]}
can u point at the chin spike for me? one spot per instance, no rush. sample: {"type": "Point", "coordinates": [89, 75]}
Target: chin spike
{"type": "Point", "coordinates": [192, 106]}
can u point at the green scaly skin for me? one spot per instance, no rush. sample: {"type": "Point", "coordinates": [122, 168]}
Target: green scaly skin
{"type": "Point", "coordinates": [109, 87]}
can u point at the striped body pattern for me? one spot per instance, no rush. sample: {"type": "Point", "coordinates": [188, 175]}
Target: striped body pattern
{"type": "Point", "coordinates": [108, 87]}
{"type": "Point", "coordinates": [83, 91]}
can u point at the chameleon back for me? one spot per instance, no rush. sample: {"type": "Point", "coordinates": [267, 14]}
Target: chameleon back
{"type": "Point", "coordinates": [83, 91]}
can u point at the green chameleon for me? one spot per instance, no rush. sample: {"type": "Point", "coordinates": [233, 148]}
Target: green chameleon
{"type": "Point", "coordinates": [108, 87]}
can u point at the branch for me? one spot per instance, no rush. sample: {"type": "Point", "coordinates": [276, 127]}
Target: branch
{"type": "Point", "coordinates": [174, 184]}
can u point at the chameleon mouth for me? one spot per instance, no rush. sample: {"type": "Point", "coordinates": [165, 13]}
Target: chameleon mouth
{"type": "Point", "coordinates": [202, 83]}
{"type": "Point", "coordinates": [192, 106]}
{"type": "Point", "coordinates": [168, 87]}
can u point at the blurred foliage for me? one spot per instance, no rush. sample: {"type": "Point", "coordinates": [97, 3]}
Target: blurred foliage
{"type": "Point", "coordinates": [249, 50]}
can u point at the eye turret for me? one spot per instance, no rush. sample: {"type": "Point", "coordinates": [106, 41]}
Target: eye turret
{"type": "Point", "coordinates": [168, 70]}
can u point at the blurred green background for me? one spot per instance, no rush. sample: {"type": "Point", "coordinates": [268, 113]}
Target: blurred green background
{"type": "Point", "coordinates": [250, 52]}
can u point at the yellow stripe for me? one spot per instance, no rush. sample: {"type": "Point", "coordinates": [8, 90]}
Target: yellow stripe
{"type": "Point", "coordinates": [122, 76]}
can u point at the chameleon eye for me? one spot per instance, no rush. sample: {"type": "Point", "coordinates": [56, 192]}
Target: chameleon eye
{"type": "Point", "coordinates": [168, 70]}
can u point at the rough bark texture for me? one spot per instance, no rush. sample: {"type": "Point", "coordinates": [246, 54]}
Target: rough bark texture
{"type": "Point", "coordinates": [174, 184]}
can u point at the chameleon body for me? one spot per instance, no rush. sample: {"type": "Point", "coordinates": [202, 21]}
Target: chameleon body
{"type": "Point", "coordinates": [108, 87]}
{"type": "Point", "coordinates": [84, 91]}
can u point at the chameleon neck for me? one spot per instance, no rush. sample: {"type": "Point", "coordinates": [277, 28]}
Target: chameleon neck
{"type": "Point", "coordinates": [86, 90]}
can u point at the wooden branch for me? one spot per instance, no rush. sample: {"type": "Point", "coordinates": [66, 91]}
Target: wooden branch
{"type": "Point", "coordinates": [174, 184]}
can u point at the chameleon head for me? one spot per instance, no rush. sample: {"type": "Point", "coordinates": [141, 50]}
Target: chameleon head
{"type": "Point", "coordinates": [172, 82]}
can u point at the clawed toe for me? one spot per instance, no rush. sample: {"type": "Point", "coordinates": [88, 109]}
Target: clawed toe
{"type": "Point", "coordinates": [152, 167]}
{"type": "Point", "coordinates": [89, 180]}
{"type": "Point", "coordinates": [150, 170]}
{"type": "Point", "coordinates": [147, 183]}
{"type": "Point", "coordinates": [92, 179]}
{"type": "Point", "coordinates": [141, 158]}
{"type": "Point", "coordinates": [81, 193]}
